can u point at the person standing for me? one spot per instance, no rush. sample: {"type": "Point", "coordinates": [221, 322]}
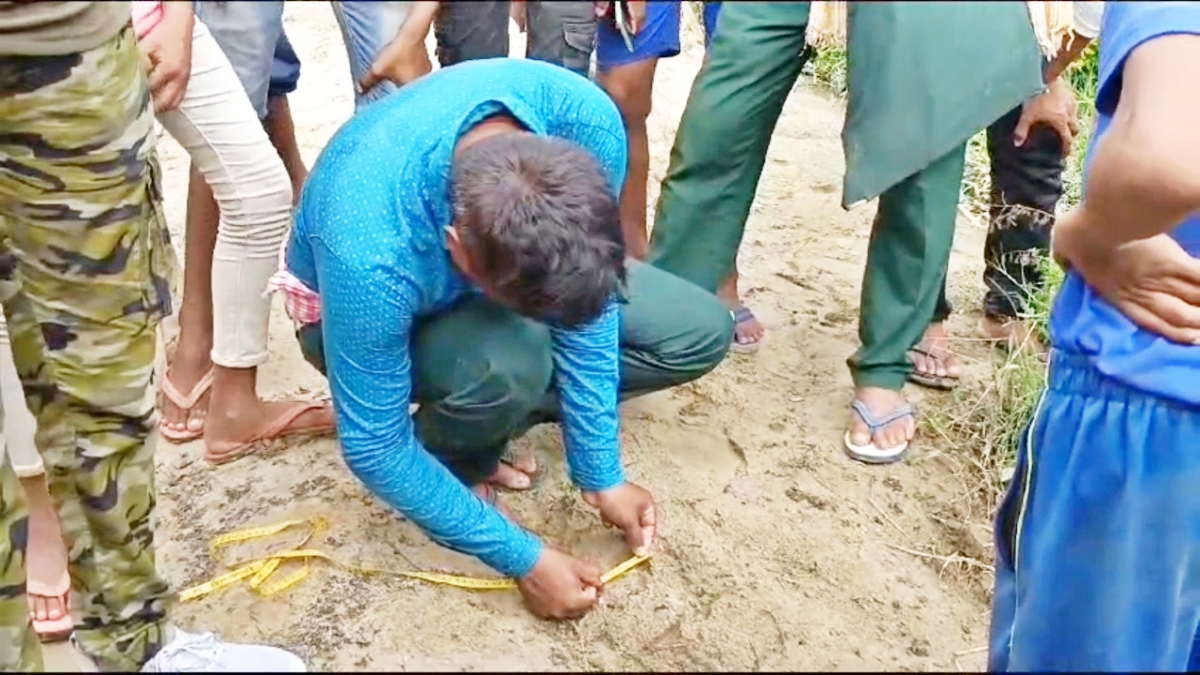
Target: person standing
{"type": "Point", "coordinates": [85, 275]}
{"type": "Point", "coordinates": [1028, 147]}
{"type": "Point", "coordinates": [1098, 538]}
{"type": "Point", "coordinates": [209, 390]}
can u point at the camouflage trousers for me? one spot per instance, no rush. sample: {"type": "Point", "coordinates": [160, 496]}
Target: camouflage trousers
{"type": "Point", "coordinates": [85, 261]}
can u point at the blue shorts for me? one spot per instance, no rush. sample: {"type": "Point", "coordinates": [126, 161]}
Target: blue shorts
{"type": "Point", "coordinates": [285, 68]}
{"type": "Point", "coordinates": [658, 39]}
{"type": "Point", "coordinates": [1098, 539]}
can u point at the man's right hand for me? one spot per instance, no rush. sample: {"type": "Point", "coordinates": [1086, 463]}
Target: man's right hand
{"type": "Point", "coordinates": [560, 586]}
{"type": "Point", "coordinates": [401, 62]}
{"type": "Point", "coordinates": [1152, 281]}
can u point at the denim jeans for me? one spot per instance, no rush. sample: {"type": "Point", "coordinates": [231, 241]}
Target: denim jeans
{"type": "Point", "coordinates": [251, 34]}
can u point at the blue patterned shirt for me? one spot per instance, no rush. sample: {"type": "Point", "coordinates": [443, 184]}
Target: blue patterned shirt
{"type": "Point", "coordinates": [369, 238]}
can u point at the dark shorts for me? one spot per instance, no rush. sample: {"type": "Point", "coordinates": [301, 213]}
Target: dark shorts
{"type": "Point", "coordinates": [563, 33]}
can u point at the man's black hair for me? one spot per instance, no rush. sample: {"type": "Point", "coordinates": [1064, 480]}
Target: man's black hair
{"type": "Point", "coordinates": [541, 225]}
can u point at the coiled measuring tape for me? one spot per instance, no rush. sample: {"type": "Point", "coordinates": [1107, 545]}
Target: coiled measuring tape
{"type": "Point", "coordinates": [260, 571]}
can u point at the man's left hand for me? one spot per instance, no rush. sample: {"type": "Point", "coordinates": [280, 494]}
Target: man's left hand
{"type": "Point", "coordinates": [630, 508]}
{"type": "Point", "coordinates": [168, 49]}
{"type": "Point", "coordinates": [1056, 109]}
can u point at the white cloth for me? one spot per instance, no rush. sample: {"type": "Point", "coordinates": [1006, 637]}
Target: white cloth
{"type": "Point", "coordinates": [1087, 15]}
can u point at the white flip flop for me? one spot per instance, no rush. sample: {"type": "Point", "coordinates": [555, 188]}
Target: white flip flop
{"type": "Point", "coordinates": [870, 453]}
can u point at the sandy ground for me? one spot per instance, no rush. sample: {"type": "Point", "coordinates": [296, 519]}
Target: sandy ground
{"type": "Point", "coordinates": [777, 552]}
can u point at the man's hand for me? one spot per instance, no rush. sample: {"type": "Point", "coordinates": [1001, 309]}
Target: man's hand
{"type": "Point", "coordinates": [168, 50]}
{"type": "Point", "coordinates": [402, 61]}
{"type": "Point", "coordinates": [637, 13]}
{"type": "Point", "coordinates": [1056, 109]}
{"type": "Point", "coordinates": [630, 508]}
{"type": "Point", "coordinates": [560, 586]}
{"type": "Point", "coordinates": [1152, 281]}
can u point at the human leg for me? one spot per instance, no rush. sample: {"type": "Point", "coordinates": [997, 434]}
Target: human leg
{"type": "Point", "coordinates": [721, 146]}
{"type": "Point", "coordinates": [224, 299]}
{"type": "Point", "coordinates": [628, 77]}
{"type": "Point", "coordinates": [466, 31]}
{"type": "Point", "coordinates": [1026, 187]}
{"type": "Point", "coordinates": [19, 648]}
{"type": "Point", "coordinates": [562, 33]}
{"type": "Point", "coordinates": [248, 34]}
{"type": "Point", "coordinates": [281, 129]}
{"type": "Point", "coordinates": [85, 285]}
{"type": "Point", "coordinates": [91, 261]}
{"type": "Point", "coordinates": [368, 27]}
{"type": "Point", "coordinates": [1097, 551]}
{"type": "Point", "coordinates": [934, 362]}
{"type": "Point", "coordinates": [49, 586]}
{"type": "Point", "coordinates": [478, 371]}
{"type": "Point", "coordinates": [902, 283]}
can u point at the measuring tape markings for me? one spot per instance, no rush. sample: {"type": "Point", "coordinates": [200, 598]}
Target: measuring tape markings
{"type": "Point", "coordinates": [260, 570]}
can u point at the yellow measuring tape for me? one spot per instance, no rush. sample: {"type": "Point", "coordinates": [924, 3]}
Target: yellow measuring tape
{"type": "Point", "coordinates": [261, 570]}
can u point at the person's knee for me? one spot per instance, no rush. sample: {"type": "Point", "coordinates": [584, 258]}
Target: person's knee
{"type": "Point", "coordinates": [710, 336]}
{"type": "Point", "coordinates": [702, 341]}
{"type": "Point", "coordinates": [630, 87]}
{"type": "Point", "coordinates": [507, 382]}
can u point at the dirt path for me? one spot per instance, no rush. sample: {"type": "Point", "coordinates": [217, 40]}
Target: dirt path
{"type": "Point", "coordinates": [777, 551]}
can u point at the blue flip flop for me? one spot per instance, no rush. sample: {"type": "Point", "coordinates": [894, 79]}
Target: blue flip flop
{"type": "Point", "coordinates": [870, 453]}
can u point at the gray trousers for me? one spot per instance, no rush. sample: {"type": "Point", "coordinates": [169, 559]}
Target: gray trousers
{"type": "Point", "coordinates": [559, 32]}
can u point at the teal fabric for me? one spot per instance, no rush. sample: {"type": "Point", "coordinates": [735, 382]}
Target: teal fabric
{"type": "Point", "coordinates": [925, 77]}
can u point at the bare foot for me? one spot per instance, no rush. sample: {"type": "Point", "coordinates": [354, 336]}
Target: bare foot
{"type": "Point", "coordinates": [490, 495]}
{"type": "Point", "coordinates": [934, 365]}
{"type": "Point", "coordinates": [178, 421]}
{"type": "Point", "coordinates": [514, 473]}
{"type": "Point", "coordinates": [890, 438]}
{"type": "Point", "coordinates": [49, 586]}
{"type": "Point", "coordinates": [236, 428]}
{"type": "Point", "coordinates": [1012, 334]}
{"type": "Point", "coordinates": [748, 332]}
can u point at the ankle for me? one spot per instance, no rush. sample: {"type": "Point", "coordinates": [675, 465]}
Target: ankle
{"type": "Point", "coordinates": [235, 391]}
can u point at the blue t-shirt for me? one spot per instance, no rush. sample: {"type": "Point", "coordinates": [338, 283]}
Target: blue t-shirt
{"type": "Point", "coordinates": [1082, 321]}
{"type": "Point", "coordinates": [370, 239]}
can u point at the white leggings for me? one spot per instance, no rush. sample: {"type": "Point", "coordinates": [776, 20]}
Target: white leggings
{"type": "Point", "coordinates": [220, 130]}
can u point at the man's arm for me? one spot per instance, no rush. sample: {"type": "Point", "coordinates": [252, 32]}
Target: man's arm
{"type": "Point", "coordinates": [405, 58]}
{"type": "Point", "coordinates": [587, 375]}
{"type": "Point", "coordinates": [366, 321]}
{"type": "Point", "coordinates": [1144, 177]}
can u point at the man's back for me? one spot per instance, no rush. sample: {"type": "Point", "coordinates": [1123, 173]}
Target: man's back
{"type": "Point", "coordinates": [380, 193]}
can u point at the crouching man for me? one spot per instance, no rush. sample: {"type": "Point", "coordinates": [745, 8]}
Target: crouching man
{"type": "Point", "coordinates": [458, 245]}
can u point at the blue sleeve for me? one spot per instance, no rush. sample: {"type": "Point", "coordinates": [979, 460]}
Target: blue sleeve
{"type": "Point", "coordinates": [587, 375]}
{"type": "Point", "coordinates": [366, 321]}
{"type": "Point", "coordinates": [1127, 25]}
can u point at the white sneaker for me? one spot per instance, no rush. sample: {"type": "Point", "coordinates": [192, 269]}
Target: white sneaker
{"type": "Point", "coordinates": [191, 653]}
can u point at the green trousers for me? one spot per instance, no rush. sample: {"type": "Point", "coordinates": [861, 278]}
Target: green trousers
{"type": "Point", "coordinates": [718, 157]}
{"type": "Point", "coordinates": [483, 374]}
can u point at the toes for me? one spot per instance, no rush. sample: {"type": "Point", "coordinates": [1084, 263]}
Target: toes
{"type": "Point", "coordinates": [525, 464]}
{"type": "Point", "coordinates": [510, 477]}
{"type": "Point", "coordinates": [860, 433]}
